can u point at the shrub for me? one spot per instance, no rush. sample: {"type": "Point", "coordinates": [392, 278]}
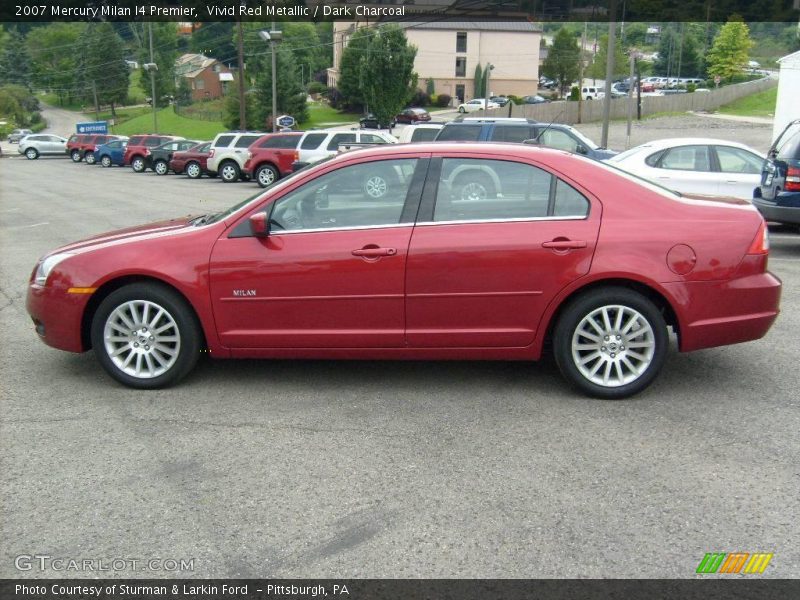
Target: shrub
{"type": "Point", "coordinates": [430, 88]}
{"type": "Point", "coordinates": [443, 100]}
{"type": "Point", "coordinates": [317, 87]}
{"type": "Point", "coordinates": [690, 87]}
{"type": "Point", "coordinates": [574, 93]}
{"type": "Point", "coordinates": [514, 99]}
{"type": "Point", "coordinates": [420, 98]}
{"type": "Point", "coordinates": [335, 98]}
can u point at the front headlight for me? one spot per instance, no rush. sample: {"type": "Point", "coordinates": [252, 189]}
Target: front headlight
{"type": "Point", "coordinates": [47, 265]}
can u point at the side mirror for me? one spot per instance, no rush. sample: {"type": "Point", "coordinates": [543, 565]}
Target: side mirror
{"type": "Point", "coordinates": [581, 149]}
{"type": "Point", "coordinates": [259, 225]}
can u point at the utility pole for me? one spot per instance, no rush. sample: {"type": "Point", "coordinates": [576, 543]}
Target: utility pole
{"type": "Point", "coordinates": [96, 104]}
{"type": "Point", "coordinates": [632, 82]}
{"type": "Point", "coordinates": [487, 75]}
{"type": "Point", "coordinates": [580, 73]}
{"type": "Point", "coordinates": [274, 82]}
{"type": "Point", "coordinates": [242, 111]}
{"type": "Point", "coordinates": [153, 79]}
{"type": "Point", "coordinates": [612, 39]}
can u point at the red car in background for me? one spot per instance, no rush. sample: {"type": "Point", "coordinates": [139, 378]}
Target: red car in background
{"type": "Point", "coordinates": [422, 251]}
{"type": "Point", "coordinates": [88, 147]}
{"type": "Point", "coordinates": [271, 157]}
{"type": "Point", "coordinates": [139, 147]}
{"type": "Point", "coordinates": [413, 115]}
{"type": "Point", "coordinates": [74, 143]}
{"type": "Point", "coordinates": [193, 161]}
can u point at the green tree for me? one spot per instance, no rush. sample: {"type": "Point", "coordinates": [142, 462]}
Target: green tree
{"type": "Point", "coordinates": [291, 95]}
{"type": "Point", "coordinates": [730, 50]}
{"type": "Point", "coordinates": [478, 81]}
{"type": "Point", "coordinates": [15, 62]}
{"type": "Point", "coordinates": [304, 42]}
{"type": "Point", "coordinates": [215, 40]}
{"type": "Point", "coordinates": [352, 67]}
{"type": "Point", "coordinates": [563, 58]}
{"type": "Point", "coordinates": [103, 67]}
{"type": "Point", "coordinates": [430, 87]}
{"type": "Point", "coordinates": [389, 78]}
{"type": "Point", "coordinates": [54, 52]}
{"type": "Point", "coordinates": [597, 69]}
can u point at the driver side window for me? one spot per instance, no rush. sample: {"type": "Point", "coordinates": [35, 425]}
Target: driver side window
{"type": "Point", "coordinates": [363, 195]}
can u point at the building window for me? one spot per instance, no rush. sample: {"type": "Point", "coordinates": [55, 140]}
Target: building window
{"type": "Point", "coordinates": [201, 85]}
{"type": "Point", "coordinates": [461, 66]}
{"type": "Point", "coordinates": [461, 41]}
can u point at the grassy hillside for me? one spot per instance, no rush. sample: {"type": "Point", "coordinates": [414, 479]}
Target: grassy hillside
{"type": "Point", "coordinates": [172, 124]}
{"type": "Point", "coordinates": [761, 104]}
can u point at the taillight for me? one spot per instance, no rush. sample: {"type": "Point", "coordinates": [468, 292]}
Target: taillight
{"type": "Point", "coordinates": [760, 243]}
{"type": "Point", "coordinates": [792, 182]}
{"type": "Point", "coordinates": [296, 156]}
{"type": "Point", "coordinates": [147, 151]}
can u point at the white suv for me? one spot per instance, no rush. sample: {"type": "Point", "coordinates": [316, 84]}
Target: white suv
{"type": "Point", "coordinates": [317, 144]}
{"type": "Point", "coordinates": [229, 153]}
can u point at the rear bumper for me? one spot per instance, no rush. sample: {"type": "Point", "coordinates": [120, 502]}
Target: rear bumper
{"type": "Point", "coordinates": [57, 316]}
{"type": "Point", "coordinates": [718, 313]}
{"type": "Point", "coordinates": [784, 209]}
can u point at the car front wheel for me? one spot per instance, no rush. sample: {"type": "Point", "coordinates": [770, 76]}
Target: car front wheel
{"type": "Point", "coordinates": [105, 161]}
{"type": "Point", "coordinates": [193, 170]}
{"type": "Point", "coordinates": [75, 155]}
{"type": "Point", "coordinates": [610, 343]}
{"type": "Point", "coordinates": [90, 160]}
{"type": "Point", "coordinates": [137, 164]}
{"type": "Point", "coordinates": [229, 172]}
{"type": "Point", "coordinates": [161, 167]}
{"type": "Point", "coordinates": [31, 154]}
{"type": "Point", "coordinates": [266, 175]}
{"type": "Point", "coordinates": [146, 336]}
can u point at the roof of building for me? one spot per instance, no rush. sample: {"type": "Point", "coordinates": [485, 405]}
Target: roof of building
{"type": "Point", "coordinates": [453, 25]}
{"type": "Point", "coordinates": [790, 60]}
{"type": "Point", "coordinates": [191, 65]}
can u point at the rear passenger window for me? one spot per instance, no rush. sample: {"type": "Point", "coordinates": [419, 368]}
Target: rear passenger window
{"type": "Point", "coordinates": [312, 141]}
{"type": "Point", "coordinates": [512, 133]}
{"type": "Point", "coordinates": [459, 133]}
{"type": "Point", "coordinates": [135, 140]}
{"type": "Point", "coordinates": [424, 135]}
{"type": "Point", "coordinates": [686, 158]}
{"type": "Point", "coordinates": [223, 141]}
{"type": "Point", "coordinates": [245, 141]}
{"type": "Point", "coordinates": [569, 202]}
{"type": "Point", "coordinates": [281, 141]}
{"type": "Point", "coordinates": [341, 138]}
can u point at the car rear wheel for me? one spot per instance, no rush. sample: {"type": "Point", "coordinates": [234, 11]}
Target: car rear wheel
{"type": "Point", "coordinates": [462, 110]}
{"type": "Point", "coordinates": [376, 186]}
{"type": "Point", "coordinates": [31, 154]}
{"type": "Point", "coordinates": [266, 175]}
{"type": "Point", "coordinates": [75, 155]}
{"type": "Point", "coordinates": [146, 336]}
{"type": "Point", "coordinates": [474, 188]}
{"type": "Point", "coordinates": [229, 172]}
{"type": "Point", "coordinates": [161, 167]}
{"type": "Point", "coordinates": [193, 170]}
{"type": "Point", "coordinates": [137, 164]}
{"type": "Point", "coordinates": [610, 343]}
{"type": "Point", "coordinates": [105, 160]}
{"type": "Point", "coordinates": [90, 160]}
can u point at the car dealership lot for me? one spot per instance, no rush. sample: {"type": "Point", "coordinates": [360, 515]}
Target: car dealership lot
{"type": "Point", "coordinates": [368, 469]}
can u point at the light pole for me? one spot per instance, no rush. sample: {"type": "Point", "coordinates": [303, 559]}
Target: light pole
{"type": "Point", "coordinates": [152, 68]}
{"type": "Point", "coordinates": [488, 72]}
{"type": "Point", "coordinates": [273, 37]}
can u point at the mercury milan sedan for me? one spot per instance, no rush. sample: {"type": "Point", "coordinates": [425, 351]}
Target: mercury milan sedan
{"type": "Point", "coordinates": [423, 251]}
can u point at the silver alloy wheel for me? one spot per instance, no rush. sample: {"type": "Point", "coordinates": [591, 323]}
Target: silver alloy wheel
{"type": "Point", "coordinates": [613, 345]}
{"type": "Point", "coordinates": [376, 186]}
{"type": "Point", "coordinates": [266, 176]}
{"type": "Point", "coordinates": [474, 190]}
{"type": "Point", "coordinates": [229, 173]}
{"type": "Point", "coordinates": [161, 168]}
{"type": "Point", "coordinates": [31, 153]}
{"type": "Point", "coordinates": [138, 165]}
{"type": "Point", "coordinates": [142, 339]}
{"type": "Point", "coordinates": [193, 170]}
{"type": "Point", "coordinates": [89, 158]}
{"type": "Point", "coordinates": [76, 156]}
{"type": "Point", "coordinates": [105, 161]}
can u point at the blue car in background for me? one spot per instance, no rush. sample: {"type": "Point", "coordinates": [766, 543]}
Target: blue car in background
{"type": "Point", "coordinates": [111, 153]}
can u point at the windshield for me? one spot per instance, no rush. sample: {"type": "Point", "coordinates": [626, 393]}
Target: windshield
{"type": "Point", "coordinates": [586, 141]}
{"type": "Point", "coordinates": [215, 218]}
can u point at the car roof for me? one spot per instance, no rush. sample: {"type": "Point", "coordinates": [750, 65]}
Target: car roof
{"type": "Point", "coordinates": [497, 149]}
{"type": "Point", "coordinates": [689, 141]}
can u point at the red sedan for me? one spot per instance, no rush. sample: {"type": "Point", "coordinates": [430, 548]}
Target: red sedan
{"type": "Point", "coordinates": [193, 161]}
{"type": "Point", "coordinates": [424, 251]}
{"type": "Point", "coordinates": [413, 115]}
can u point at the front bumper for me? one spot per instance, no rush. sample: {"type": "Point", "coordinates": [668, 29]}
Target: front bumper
{"type": "Point", "coordinates": [57, 315]}
{"type": "Point", "coordinates": [784, 209]}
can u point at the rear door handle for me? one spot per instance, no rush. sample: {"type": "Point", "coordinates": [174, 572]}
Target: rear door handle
{"type": "Point", "coordinates": [564, 244]}
{"type": "Point", "coordinates": [374, 252]}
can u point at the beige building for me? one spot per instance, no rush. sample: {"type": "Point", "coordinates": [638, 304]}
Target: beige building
{"type": "Point", "coordinates": [449, 51]}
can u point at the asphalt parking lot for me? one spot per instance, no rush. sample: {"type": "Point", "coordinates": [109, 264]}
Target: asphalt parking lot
{"type": "Point", "coordinates": [368, 469]}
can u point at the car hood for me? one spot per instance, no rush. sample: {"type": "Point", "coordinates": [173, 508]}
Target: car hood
{"type": "Point", "coordinates": [129, 234]}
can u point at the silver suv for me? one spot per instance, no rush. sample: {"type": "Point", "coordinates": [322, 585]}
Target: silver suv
{"type": "Point", "coordinates": [34, 145]}
{"type": "Point", "coordinates": [229, 153]}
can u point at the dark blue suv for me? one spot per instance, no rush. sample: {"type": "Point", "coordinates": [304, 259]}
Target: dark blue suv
{"type": "Point", "coordinates": [778, 196]}
{"type": "Point", "coordinates": [552, 135]}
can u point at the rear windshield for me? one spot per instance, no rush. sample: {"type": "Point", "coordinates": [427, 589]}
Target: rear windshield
{"type": "Point", "coordinates": [313, 140]}
{"type": "Point", "coordinates": [428, 134]}
{"type": "Point", "coordinates": [135, 140]}
{"type": "Point", "coordinates": [459, 133]}
{"type": "Point", "coordinates": [790, 144]}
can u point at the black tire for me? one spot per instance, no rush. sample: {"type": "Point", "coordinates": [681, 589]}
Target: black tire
{"type": "Point", "coordinates": [184, 327]}
{"type": "Point", "coordinates": [75, 155]}
{"type": "Point", "coordinates": [161, 167]}
{"type": "Point", "coordinates": [462, 110]}
{"type": "Point", "coordinates": [193, 170]}
{"type": "Point", "coordinates": [105, 160]}
{"type": "Point", "coordinates": [89, 157]}
{"type": "Point", "coordinates": [572, 350]}
{"type": "Point", "coordinates": [31, 153]}
{"type": "Point", "coordinates": [137, 164]}
{"type": "Point", "coordinates": [229, 172]}
{"type": "Point", "coordinates": [266, 175]}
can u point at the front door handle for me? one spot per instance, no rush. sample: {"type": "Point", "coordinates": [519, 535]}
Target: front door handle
{"type": "Point", "coordinates": [373, 252]}
{"type": "Point", "coordinates": [564, 244]}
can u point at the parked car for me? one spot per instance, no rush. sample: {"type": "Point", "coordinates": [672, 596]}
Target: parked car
{"type": "Point", "coordinates": [553, 135]}
{"type": "Point", "coordinates": [438, 266]}
{"type": "Point", "coordinates": [74, 143]}
{"type": "Point", "coordinates": [111, 153]}
{"type": "Point", "coordinates": [139, 146]}
{"type": "Point", "coordinates": [270, 157]}
{"type": "Point", "coordinates": [228, 154]}
{"type": "Point", "coordinates": [88, 148]}
{"type": "Point", "coordinates": [696, 166]}
{"type": "Point", "coordinates": [37, 144]}
{"type": "Point", "coordinates": [499, 100]}
{"type": "Point", "coordinates": [193, 161]}
{"type": "Point", "coordinates": [778, 195]}
{"type": "Point", "coordinates": [535, 99]}
{"type": "Point", "coordinates": [413, 115]}
{"type": "Point", "coordinates": [476, 104]}
{"type": "Point", "coordinates": [592, 93]}
{"type": "Point", "coordinates": [15, 136]}
{"type": "Point", "coordinates": [422, 132]}
{"type": "Point", "coordinates": [159, 157]}
{"type": "Point", "coordinates": [370, 121]}
{"type": "Point", "coordinates": [317, 144]}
